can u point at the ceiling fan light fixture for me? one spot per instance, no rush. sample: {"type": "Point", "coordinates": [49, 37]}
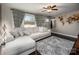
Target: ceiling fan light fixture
{"type": "Point", "coordinates": [49, 10]}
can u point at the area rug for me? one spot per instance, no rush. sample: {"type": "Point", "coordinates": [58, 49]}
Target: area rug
{"type": "Point", "coordinates": [54, 46]}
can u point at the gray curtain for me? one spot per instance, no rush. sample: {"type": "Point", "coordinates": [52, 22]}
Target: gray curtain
{"type": "Point", "coordinates": [18, 17]}
{"type": "Point", "coordinates": [40, 20]}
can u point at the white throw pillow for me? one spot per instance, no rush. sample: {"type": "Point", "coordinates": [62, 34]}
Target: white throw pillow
{"type": "Point", "coordinates": [15, 34]}
{"type": "Point", "coordinates": [26, 33]}
{"type": "Point", "coordinates": [21, 33]}
{"type": "Point", "coordinates": [45, 29]}
{"type": "Point", "coordinates": [35, 30]}
{"type": "Point", "coordinates": [40, 29]}
{"type": "Point", "coordinates": [8, 38]}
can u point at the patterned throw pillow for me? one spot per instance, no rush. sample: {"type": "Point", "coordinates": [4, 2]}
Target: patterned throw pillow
{"type": "Point", "coordinates": [26, 33]}
{"type": "Point", "coordinates": [21, 33]}
{"type": "Point", "coordinates": [8, 38]}
{"type": "Point", "coordinates": [41, 29]}
{"type": "Point", "coordinates": [15, 34]}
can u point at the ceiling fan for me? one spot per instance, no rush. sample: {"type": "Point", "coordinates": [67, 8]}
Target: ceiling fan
{"type": "Point", "coordinates": [49, 8]}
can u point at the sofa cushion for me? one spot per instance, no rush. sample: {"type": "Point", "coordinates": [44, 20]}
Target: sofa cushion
{"type": "Point", "coordinates": [45, 33]}
{"type": "Point", "coordinates": [35, 35]}
{"type": "Point", "coordinates": [21, 33]}
{"type": "Point", "coordinates": [43, 29]}
{"type": "Point", "coordinates": [15, 33]}
{"type": "Point", "coordinates": [19, 45]}
{"type": "Point", "coordinates": [26, 33]}
{"type": "Point", "coordinates": [40, 35]}
{"type": "Point", "coordinates": [40, 29]}
{"type": "Point", "coordinates": [32, 30]}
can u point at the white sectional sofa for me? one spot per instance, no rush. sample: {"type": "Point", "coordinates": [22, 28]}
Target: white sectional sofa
{"type": "Point", "coordinates": [22, 40]}
{"type": "Point", "coordinates": [21, 45]}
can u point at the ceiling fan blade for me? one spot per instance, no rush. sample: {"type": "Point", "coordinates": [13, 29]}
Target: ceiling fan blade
{"type": "Point", "coordinates": [43, 10]}
{"type": "Point", "coordinates": [54, 9]}
{"type": "Point", "coordinates": [53, 6]}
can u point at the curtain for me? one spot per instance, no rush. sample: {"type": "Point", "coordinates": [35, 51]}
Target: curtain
{"type": "Point", "coordinates": [18, 17]}
{"type": "Point", "coordinates": [39, 20]}
{"type": "Point", "coordinates": [43, 21]}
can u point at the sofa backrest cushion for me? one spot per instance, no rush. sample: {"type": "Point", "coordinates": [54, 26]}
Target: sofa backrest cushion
{"type": "Point", "coordinates": [43, 29]}
{"type": "Point", "coordinates": [23, 31]}
{"type": "Point", "coordinates": [27, 31]}
{"type": "Point", "coordinates": [32, 30]}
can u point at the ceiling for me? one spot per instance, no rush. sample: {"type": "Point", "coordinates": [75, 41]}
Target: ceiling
{"type": "Point", "coordinates": [36, 8]}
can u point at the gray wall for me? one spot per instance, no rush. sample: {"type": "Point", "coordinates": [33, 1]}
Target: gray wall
{"type": "Point", "coordinates": [69, 29]}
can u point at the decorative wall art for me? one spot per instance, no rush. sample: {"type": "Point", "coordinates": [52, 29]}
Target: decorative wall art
{"type": "Point", "coordinates": [74, 18]}
{"type": "Point", "coordinates": [70, 19]}
{"type": "Point", "coordinates": [61, 19]}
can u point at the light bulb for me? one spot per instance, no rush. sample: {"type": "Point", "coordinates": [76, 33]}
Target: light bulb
{"type": "Point", "coordinates": [49, 10]}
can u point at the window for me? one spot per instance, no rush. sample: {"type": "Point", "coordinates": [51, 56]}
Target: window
{"type": "Point", "coordinates": [29, 20]}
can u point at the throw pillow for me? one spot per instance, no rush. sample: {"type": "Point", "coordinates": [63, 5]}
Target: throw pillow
{"type": "Point", "coordinates": [8, 38]}
{"type": "Point", "coordinates": [21, 33]}
{"type": "Point", "coordinates": [15, 34]}
{"type": "Point", "coordinates": [41, 29]}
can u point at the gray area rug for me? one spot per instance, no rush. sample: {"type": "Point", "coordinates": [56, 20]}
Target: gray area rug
{"type": "Point", "coordinates": [54, 46]}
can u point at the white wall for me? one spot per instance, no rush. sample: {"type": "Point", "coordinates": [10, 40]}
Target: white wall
{"type": "Point", "coordinates": [7, 17]}
{"type": "Point", "coordinates": [69, 29]}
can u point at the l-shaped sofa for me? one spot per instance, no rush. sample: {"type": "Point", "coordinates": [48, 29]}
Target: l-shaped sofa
{"type": "Point", "coordinates": [22, 41]}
